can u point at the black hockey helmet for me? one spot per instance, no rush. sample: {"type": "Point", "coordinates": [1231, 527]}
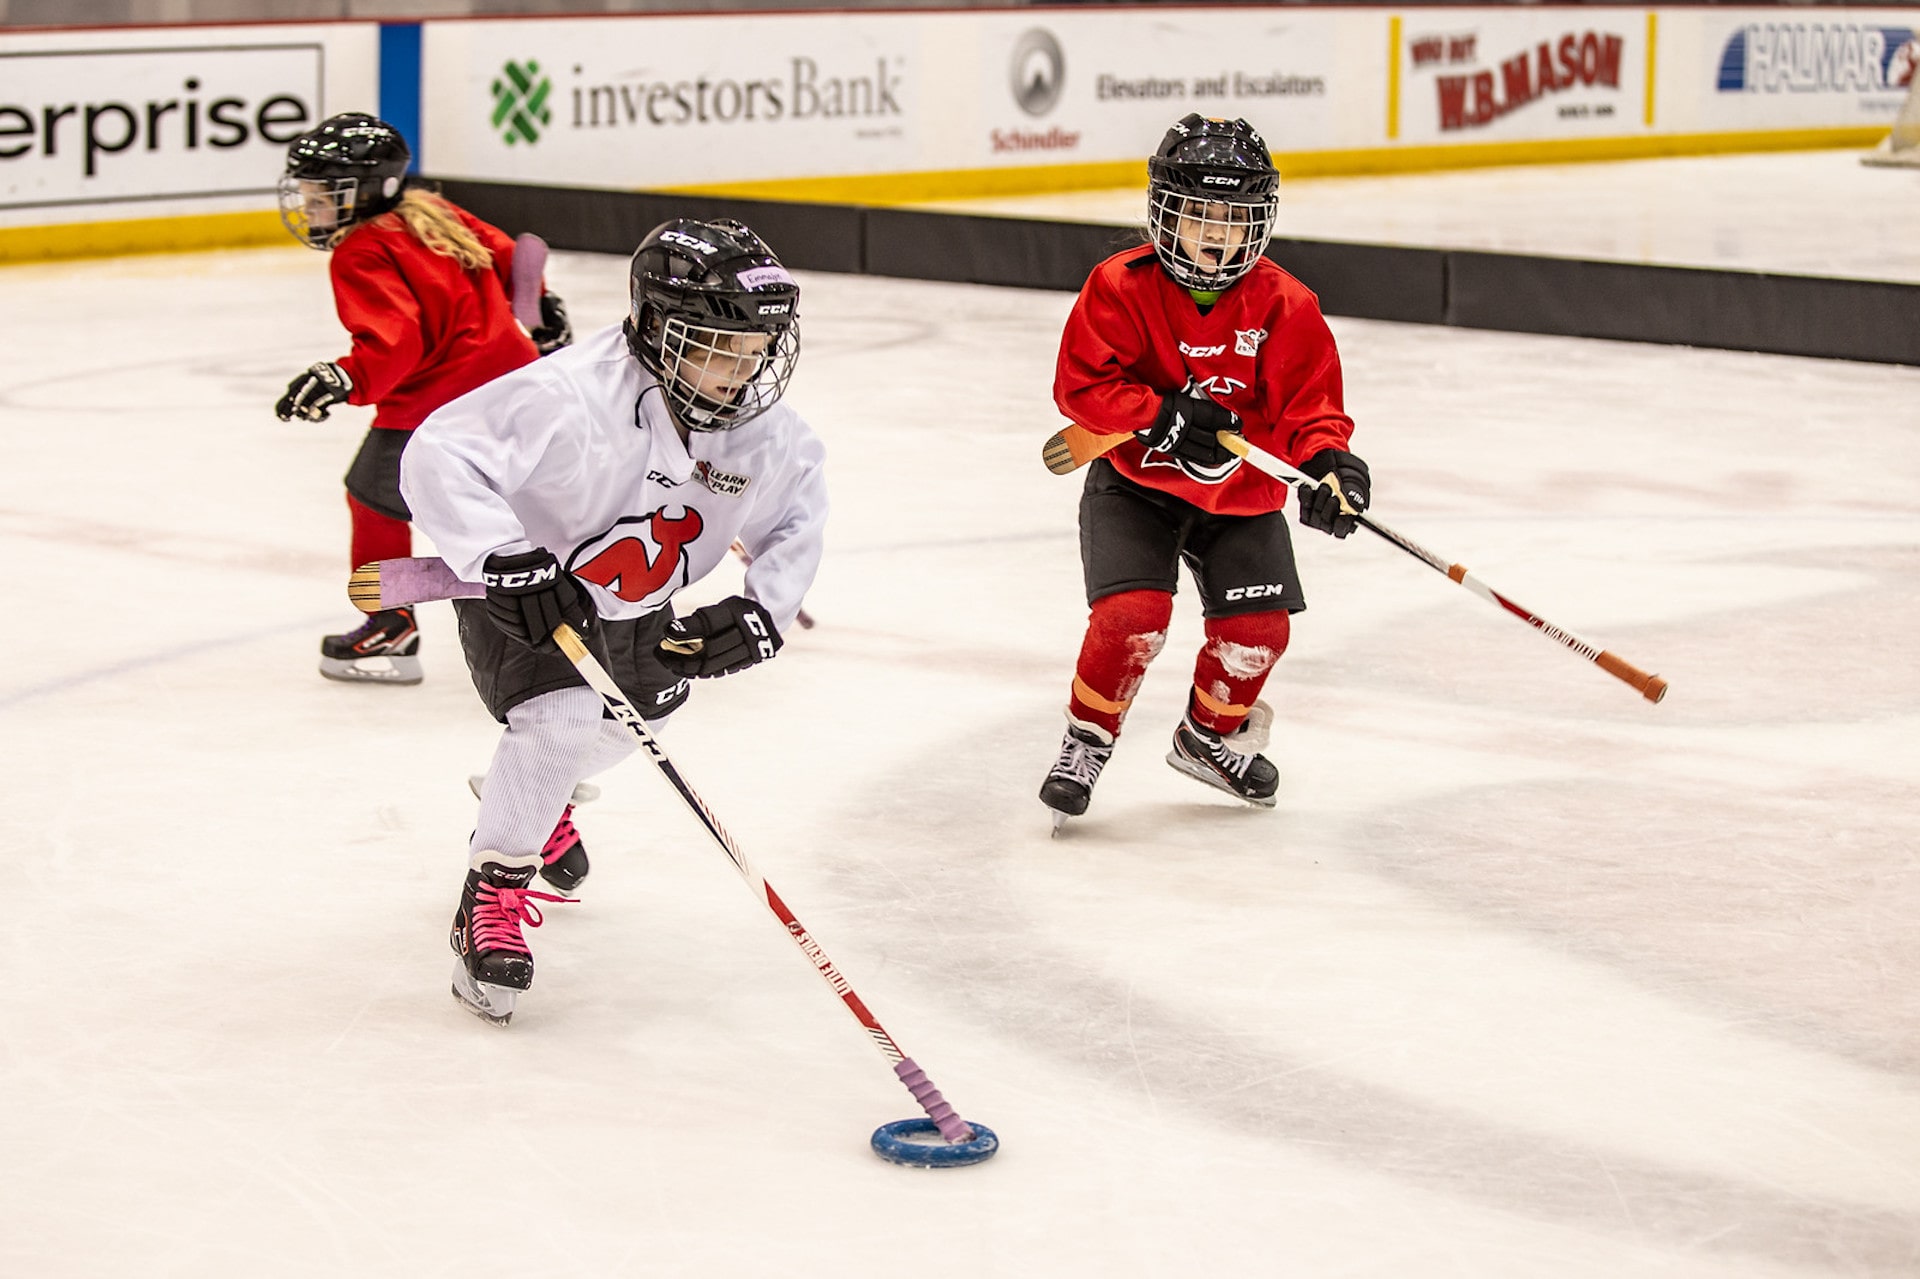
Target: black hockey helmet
{"type": "Point", "coordinates": [339, 174]}
{"type": "Point", "coordinates": [1205, 163]}
{"type": "Point", "coordinates": [715, 318]}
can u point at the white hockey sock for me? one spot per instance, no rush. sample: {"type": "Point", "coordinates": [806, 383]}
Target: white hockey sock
{"type": "Point", "coordinates": [548, 742]}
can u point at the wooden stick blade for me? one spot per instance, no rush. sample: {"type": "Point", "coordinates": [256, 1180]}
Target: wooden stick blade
{"type": "Point", "coordinates": [395, 583]}
{"type": "Point", "coordinates": [1073, 446]}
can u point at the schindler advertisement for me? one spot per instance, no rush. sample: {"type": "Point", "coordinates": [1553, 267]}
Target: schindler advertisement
{"type": "Point", "coordinates": [648, 103]}
{"type": "Point", "coordinates": [1063, 87]}
{"type": "Point", "coordinates": [97, 125]}
{"type": "Point", "coordinates": [1805, 68]}
{"type": "Point", "coordinates": [1495, 76]}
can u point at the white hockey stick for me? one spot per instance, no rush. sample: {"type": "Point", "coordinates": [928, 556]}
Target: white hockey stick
{"type": "Point", "coordinates": [966, 1143]}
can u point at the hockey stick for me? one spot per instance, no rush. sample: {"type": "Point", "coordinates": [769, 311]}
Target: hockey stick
{"type": "Point", "coordinates": [529, 264]}
{"type": "Point", "coordinates": [396, 583]}
{"type": "Point", "coordinates": [957, 1131]}
{"type": "Point", "coordinates": [417, 579]}
{"type": "Point", "coordinates": [1073, 446]}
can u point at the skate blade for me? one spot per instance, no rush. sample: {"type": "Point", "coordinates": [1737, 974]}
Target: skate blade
{"type": "Point", "coordinates": [491, 1004]}
{"type": "Point", "coordinates": [1201, 773]}
{"type": "Point", "coordinates": [372, 670]}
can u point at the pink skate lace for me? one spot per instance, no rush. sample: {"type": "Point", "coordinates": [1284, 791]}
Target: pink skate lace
{"type": "Point", "coordinates": [564, 837]}
{"type": "Point", "coordinates": [499, 912]}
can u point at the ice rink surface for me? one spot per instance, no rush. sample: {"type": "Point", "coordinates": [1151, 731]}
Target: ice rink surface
{"type": "Point", "coordinates": [1524, 976]}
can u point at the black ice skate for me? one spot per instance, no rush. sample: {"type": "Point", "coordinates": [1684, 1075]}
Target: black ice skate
{"type": "Point", "coordinates": [564, 859]}
{"type": "Point", "coordinates": [1084, 751]}
{"type": "Point", "coordinates": [1243, 773]}
{"type": "Point", "coordinates": [495, 964]}
{"type": "Point", "coordinates": [382, 650]}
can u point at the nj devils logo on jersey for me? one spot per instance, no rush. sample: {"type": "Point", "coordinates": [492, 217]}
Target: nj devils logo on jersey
{"type": "Point", "coordinates": [642, 558]}
{"type": "Point", "coordinates": [1218, 387]}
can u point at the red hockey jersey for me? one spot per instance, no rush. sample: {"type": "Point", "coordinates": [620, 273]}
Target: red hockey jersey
{"type": "Point", "coordinates": [1263, 350]}
{"type": "Point", "coordinates": [425, 330]}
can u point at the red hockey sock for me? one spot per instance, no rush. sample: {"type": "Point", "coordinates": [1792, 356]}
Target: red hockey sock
{"type": "Point", "coordinates": [1233, 666]}
{"type": "Point", "coordinates": [1124, 633]}
{"type": "Point", "coordinates": [377, 536]}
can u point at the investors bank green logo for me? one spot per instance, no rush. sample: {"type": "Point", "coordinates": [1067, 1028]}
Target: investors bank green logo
{"type": "Point", "coordinates": [520, 107]}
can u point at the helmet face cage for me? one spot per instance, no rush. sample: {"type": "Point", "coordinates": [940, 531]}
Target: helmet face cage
{"type": "Point", "coordinates": [1204, 242]}
{"type": "Point", "coordinates": [1212, 196]}
{"type": "Point", "coordinates": [717, 379]}
{"type": "Point", "coordinates": [714, 318]}
{"type": "Point", "coordinates": [317, 210]}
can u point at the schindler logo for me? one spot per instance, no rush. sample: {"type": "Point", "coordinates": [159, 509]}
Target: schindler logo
{"type": "Point", "coordinates": [520, 107]}
{"type": "Point", "coordinates": [1039, 71]}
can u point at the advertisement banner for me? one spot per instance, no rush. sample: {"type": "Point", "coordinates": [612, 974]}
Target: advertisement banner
{"type": "Point", "coordinates": [1803, 68]}
{"type": "Point", "coordinates": [1481, 75]}
{"type": "Point", "coordinates": [1068, 87]}
{"type": "Point", "coordinates": [661, 102]}
{"type": "Point", "coordinates": [97, 124]}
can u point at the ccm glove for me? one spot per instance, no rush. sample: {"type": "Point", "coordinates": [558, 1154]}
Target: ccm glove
{"type": "Point", "coordinates": [529, 594]}
{"type": "Point", "coordinates": [719, 639]}
{"type": "Point", "coordinates": [1319, 507]}
{"type": "Point", "coordinates": [310, 395]}
{"type": "Point", "coordinates": [1187, 428]}
{"type": "Point", "coordinates": [554, 331]}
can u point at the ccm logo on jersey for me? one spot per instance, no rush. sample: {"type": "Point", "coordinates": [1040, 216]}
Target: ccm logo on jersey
{"type": "Point", "coordinates": [1259, 592]}
{"type": "Point", "coordinates": [515, 581]}
{"type": "Point", "coordinates": [691, 241]}
{"type": "Point", "coordinates": [1202, 352]}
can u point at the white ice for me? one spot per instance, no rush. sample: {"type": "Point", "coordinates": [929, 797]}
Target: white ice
{"type": "Point", "coordinates": [1801, 212]}
{"type": "Point", "coordinates": [1524, 976]}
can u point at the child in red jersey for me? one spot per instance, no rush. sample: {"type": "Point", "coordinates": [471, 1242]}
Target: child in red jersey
{"type": "Point", "coordinates": [1169, 344]}
{"type": "Point", "coordinates": [422, 286]}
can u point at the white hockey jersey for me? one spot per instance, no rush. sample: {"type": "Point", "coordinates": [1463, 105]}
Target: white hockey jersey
{"type": "Point", "coordinates": [576, 453]}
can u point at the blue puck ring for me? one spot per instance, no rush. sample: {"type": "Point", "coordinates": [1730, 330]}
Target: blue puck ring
{"type": "Point", "coordinates": [895, 1143]}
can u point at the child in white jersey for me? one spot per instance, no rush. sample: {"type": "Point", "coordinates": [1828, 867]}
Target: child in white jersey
{"type": "Point", "coordinates": [588, 488]}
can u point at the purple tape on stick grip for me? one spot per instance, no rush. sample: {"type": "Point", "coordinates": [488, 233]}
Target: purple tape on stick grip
{"type": "Point", "coordinates": [529, 264]}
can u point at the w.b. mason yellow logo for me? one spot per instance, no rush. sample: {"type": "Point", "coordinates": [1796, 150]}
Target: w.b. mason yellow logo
{"type": "Point", "coordinates": [520, 107]}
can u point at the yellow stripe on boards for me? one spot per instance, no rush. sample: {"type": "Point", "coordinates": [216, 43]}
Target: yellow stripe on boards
{"type": "Point", "coordinates": [1393, 77]}
{"type": "Point", "coordinates": [144, 235]}
{"type": "Point", "coordinates": [1653, 43]}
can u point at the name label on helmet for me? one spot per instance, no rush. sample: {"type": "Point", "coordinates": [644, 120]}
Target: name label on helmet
{"type": "Point", "coordinates": [760, 277]}
{"type": "Point", "coordinates": [691, 241]}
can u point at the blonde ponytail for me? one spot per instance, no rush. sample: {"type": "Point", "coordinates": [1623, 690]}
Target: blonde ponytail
{"type": "Point", "coordinates": [434, 223]}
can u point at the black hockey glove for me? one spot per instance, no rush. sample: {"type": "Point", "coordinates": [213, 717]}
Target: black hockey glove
{"type": "Point", "coordinates": [554, 331]}
{"type": "Point", "coordinates": [310, 395]}
{"type": "Point", "coordinates": [529, 594]}
{"type": "Point", "coordinates": [719, 639]}
{"type": "Point", "coordinates": [1187, 428]}
{"type": "Point", "coordinates": [1319, 508]}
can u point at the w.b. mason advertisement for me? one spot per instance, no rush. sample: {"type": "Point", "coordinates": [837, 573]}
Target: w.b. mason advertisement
{"type": "Point", "coordinates": [1480, 75]}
